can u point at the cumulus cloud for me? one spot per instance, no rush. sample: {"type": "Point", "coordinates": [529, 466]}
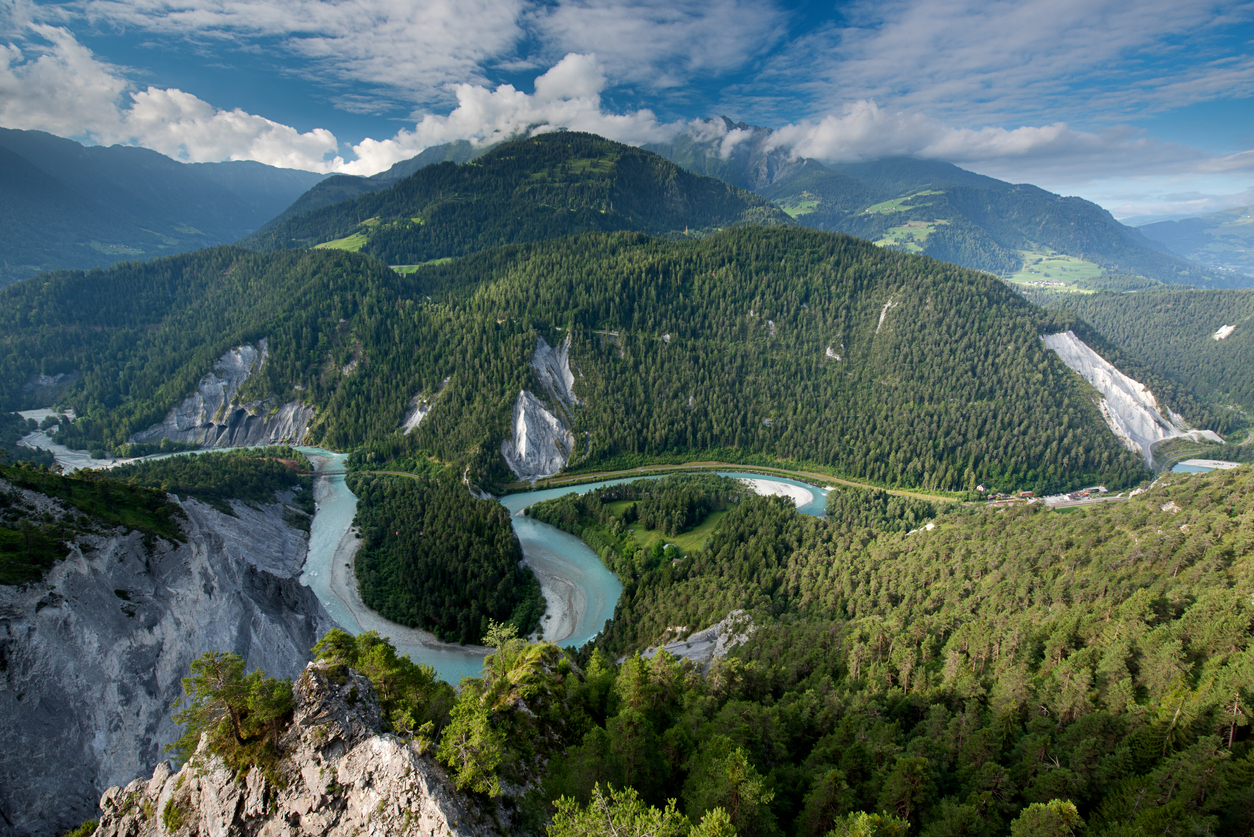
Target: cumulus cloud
{"type": "Point", "coordinates": [58, 86]}
{"type": "Point", "coordinates": [567, 96]}
{"type": "Point", "coordinates": [865, 131]}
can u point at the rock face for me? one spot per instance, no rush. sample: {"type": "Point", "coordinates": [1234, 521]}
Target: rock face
{"type": "Point", "coordinates": [338, 776]}
{"type": "Point", "coordinates": [540, 442]}
{"type": "Point", "coordinates": [91, 658]}
{"type": "Point", "coordinates": [703, 647]}
{"type": "Point", "coordinates": [212, 418]}
{"type": "Point", "coordinates": [1129, 408]}
{"type": "Point", "coordinates": [419, 408]}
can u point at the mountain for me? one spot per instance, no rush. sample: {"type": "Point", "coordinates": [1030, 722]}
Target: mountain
{"type": "Point", "coordinates": [524, 190]}
{"type": "Point", "coordinates": [1221, 240]}
{"type": "Point", "coordinates": [1032, 237]}
{"type": "Point", "coordinates": [752, 345]}
{"type": "Point", "coordinates": [64, 205]}
{"type": "Point", "coordinates": [342, 187]}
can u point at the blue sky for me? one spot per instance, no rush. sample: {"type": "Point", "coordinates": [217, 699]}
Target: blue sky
{"type": "Point", "coordinates": [1145, 107]}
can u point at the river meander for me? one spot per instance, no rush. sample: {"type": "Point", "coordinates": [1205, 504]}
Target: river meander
{"type": "Point", "coordinates": [580, 591]}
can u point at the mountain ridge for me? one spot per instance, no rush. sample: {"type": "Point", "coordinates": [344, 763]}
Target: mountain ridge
{"type": "Point", "coordinates": [66, 205]}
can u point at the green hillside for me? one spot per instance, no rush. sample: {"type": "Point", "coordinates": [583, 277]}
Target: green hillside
{"type": "Point", "coordinates": [980, 222]}
{"type": "Point", "coordinates": [953, 677]}
{"type": "Point", "coordinates": [343, 187]}
{"type": "Point", "coordinates": [525, 190]}
{"type": "Point", "coordinates": [952, 214]}
{"type": "Point", "coordinates": [753, 345]}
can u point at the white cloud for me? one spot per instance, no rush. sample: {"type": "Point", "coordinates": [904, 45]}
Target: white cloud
{"type": "Point", "coordinates": [415, 49]}
{"type": "Point", "coordinates": [567, 96]}
{"type": "Point", "coordinates": [1056, 153]}
{"type": "Point", "coordinates": [184, 127]}
{"type": "Point", "coordinates": [60, 87]}
{"type": "Point", "coordinates": [1002, 61]}
{"type": "Point", "coordinates": [662, 43]}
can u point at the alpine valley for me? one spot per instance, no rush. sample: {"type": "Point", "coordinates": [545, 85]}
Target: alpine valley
{"type": "Point", "coordinates": [876, 454]}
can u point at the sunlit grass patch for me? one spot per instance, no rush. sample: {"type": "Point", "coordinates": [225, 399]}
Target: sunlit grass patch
{"type": "Point", "coordinates": [353, 243]}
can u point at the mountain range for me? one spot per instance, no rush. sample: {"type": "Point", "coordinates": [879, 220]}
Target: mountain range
{"type": "Point", "coordinates": [65, 205]}
{"type": "Point", "coordinates": [1018, 231]}
{"type": "Point", "coordinates": [1221, 240]}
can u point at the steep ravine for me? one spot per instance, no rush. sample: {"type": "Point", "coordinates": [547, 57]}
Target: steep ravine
{"type": "Point", "coordinates": [91, 659]}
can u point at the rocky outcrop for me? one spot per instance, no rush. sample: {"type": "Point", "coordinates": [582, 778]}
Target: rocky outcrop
{"type": "Point", "coordinates": [420, 407]}
{"type": "Point", "coordinates": [1129, 408]}
{"type": "Point", "coordinates": [213, 418]}
{"type": "Point", "coordinates": [338, 775]}
{"type": "Point", "coordinates": [540, 444]}
{"type": "Point", "coordinates": [705, 646]}
{"type": "Point", "coordinates": [92, 657]}
{"type": "Point", "coordinates": [540, 441]}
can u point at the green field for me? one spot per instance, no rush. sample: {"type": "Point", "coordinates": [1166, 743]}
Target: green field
{"type": "Point", "coordinates": [1055, 271]}
{"type": "Point", "coordinates": [898, 204]}
{"type": "Point", "coordinates": [799, 205]}
{"type": "Point", "coordinates": [581, 166]}
{"type": "Point", "coordinates": [912, 235]}
{"type": "Point", "coordinates": [413, 268]}
{"type": "Point", "coordinates": [353, 243]}
{"type": "Point", "coordinates": [116, 249]}
{"type": "Point", "coordinates": [694, 538]}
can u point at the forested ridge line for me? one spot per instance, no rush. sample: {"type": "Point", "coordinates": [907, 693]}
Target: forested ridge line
{"type": "Point", "coordinates": [774, 347]}
{"type": "Point", "coordinates": [528, 189]}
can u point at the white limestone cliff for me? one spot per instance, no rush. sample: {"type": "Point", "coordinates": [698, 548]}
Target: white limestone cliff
{"type": "Point", "coordinates": [213, 418]}
{"type": "Point", "coordinates": [1129, 408]}
{"type": "Point", "coordinates": [540, 441]}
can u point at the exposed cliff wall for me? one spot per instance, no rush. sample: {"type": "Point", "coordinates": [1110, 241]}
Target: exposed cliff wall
{"type": "Point", "coordinates": [213, 418]}
{"type": "Point", "coordinates": [540, 441]}
{"type": "Point", "coordinates": [1129, 408]}
{"type": "Point", "coordinates": [338, 776]}
{"type": "Point", "coordinates": [91, 659]}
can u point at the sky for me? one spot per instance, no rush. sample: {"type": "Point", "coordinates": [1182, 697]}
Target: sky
{"type": "Point", "coordinates": [1144, 107]}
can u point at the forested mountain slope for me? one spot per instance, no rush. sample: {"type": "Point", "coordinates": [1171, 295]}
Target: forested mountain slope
{"type": "Point", "coordinates": [942, 210]}
{"type": "Point", "coordinates": [756, 344]}
{"type": "Point", "coordinates": [342, 187]}
{"type": "Point", "coordinates": [63, 205]}
{"type": "Point", "coordinates": [1204, 339]}
{"type": "Point", "coordinates": [524, 190]}
{"type": "Point", "coordinates": [951, 676]}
